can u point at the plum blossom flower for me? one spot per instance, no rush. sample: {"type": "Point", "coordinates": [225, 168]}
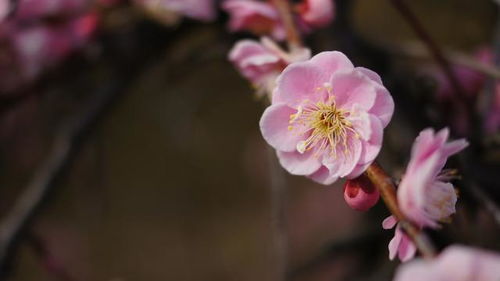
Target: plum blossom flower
{"type": "Point", "coordinates": [262, 62]}
{"type": "Point", "coordinates": [327, 117]}
{"type": "Point", "coordinates": [316, 13]}
{"type": "Point", "coordinates": [425, 195]}
{"type": "Point", "coordinates": [455, 263]}
{"type": "Point", "coordinates": [360, 194]}
{"type": "Point", "coordinates": [260, 18]}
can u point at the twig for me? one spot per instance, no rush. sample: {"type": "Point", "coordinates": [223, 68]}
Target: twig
{"type": "Point", "coordinates": [66, 143]}
{"type": "Point", "coordinates": [385, 186]}
{"type": "Point", "coordinates": [434, 49]}
{"type": "Point", "coordinates": [418, 51]}
{"type": "Point", "coordinates": [292, 33]}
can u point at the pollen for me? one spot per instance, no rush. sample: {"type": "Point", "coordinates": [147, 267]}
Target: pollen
{"type": "Point", "coordinates": [326, 125]}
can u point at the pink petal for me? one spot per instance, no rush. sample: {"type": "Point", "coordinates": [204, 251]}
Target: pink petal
{"type": "Point", "coordinates": [358, 170]}
{"type": "Point", "coordinates": [383, 106]}
{"type": "Point", "coordinates": [394, 244]}
{"type": "Point", "coordinates": [274, 126]}
{"type": "Point", "coordinates": [323, 176]}
{"type": "Point", "coordinates": [353, 88]}
{"type": "Point", "coordinates": [389, 222]}
{"type": "Point", "coordinates": [370, 74]}
{"type": "Point", "coordinates": [407, 249]}
{"type": "Point", "coordinates": [371, 148]}
{"type": "Point", "coordinates": [299, 82]}
{"type": "Point", "coordinates": [332, 62]}
{"type": "Point", "coordinates": [299, 164]}
{"type": "Point", "coordinates": [343, 163]}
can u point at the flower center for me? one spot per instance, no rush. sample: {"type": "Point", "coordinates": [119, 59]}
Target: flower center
{"type": "Point", "coordinates": [326, 125]}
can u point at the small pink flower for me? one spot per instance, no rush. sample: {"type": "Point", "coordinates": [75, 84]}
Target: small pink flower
{"type": "Point", "coordinates": [316, 13]}
{"type": "Point", "coordinates": [424, 195]}
{"type": "Point", "coordinates": [327, 117]}
{"type": "Point", "coordinates": [258, 17]}
{"type": "Point", "coordinates": [455, 263]}
{"type": "Point", "coordinates": [33, 9]}
{"type": "Point", "coordinates": [261, 62]}
{"type": "Point", "coordinates": [360, 194]}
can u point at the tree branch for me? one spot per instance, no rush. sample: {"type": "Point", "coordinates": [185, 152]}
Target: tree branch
{"type": "Point", "coordinates": [385, 186]}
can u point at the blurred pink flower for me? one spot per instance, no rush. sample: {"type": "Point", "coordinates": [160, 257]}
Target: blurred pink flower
{"type": "Point", "coordinates": [360, 194]}
{"type": "Point", "coordinates": [424, 195]}
{"type": "Point", "coordinates": [261, 62]}
{"type": "Point", "coordinates": [258, 17]}
{"type": "Point", "coordinates": [327, 117]}
{"type": "Point", "coordinates": [36, 48]}
{"type": "Point", "coordinates": [4, 9]}
{"type": "Point", "coordinates": [400, 245]}
{"type": "Point", "coordinates": [316, 13]}
{"type": "Point", "coordinates": [34, 9]}
{"type": "Point", "coordinates": [455, 263]}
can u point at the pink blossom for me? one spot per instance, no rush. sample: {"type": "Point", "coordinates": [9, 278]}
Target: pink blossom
{"type": "Point", "coordinates": [327, 117]}
{"type": "Point", "coordinates": [360, 194]}
{"type": "Point", "coordinates": [36, 48]}
{"type": "Point", "coordinates": [4, 9]}
{"type": "Point", "coordinates": [424, 195]}
{"type": "Point", "coordinates": [261, 62]}
{"type": "Point", "coordinates": [203, 10]}
{"type": "Point", "coordinates": [316, 13]}
{"type": "Point", "coordinates": [33, 9]}
{"type": "Point", "coordinates": [455, 263]}
{"type": "Point", "coordinates": [258, 17]}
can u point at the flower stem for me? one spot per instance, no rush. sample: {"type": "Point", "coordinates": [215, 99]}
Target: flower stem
{"type": "Point", "coordinates": [383, 182]}
{"type": "Point", "coordinates": [286, 14]}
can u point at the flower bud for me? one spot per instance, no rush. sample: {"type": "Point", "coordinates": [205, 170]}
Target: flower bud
{"type": "Point", "coordinates": [360, 194]}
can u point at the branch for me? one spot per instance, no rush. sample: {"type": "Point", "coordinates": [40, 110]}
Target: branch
{"type": "Point", "coordinates": [385, 186]}
{"type": "Point", "coordinates": [434, 49]}
{"type": "Point", "coordinates": [286, 14]}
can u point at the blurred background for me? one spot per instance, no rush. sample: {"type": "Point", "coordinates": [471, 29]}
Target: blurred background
{"type": "Point", "coordinates": [168, 177]}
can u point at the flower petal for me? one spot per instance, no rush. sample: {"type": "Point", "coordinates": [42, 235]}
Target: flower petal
{"type": "Point", "coordinates": [323, 176]}
{"type": "Point", "coordinates": [299, 82]}
{"type": "Point", "coordinates": [301, 164]}
{"type": "Point", "coordinates": [274, 126]}
{"type": "Point", "coordinates": [353, 88]}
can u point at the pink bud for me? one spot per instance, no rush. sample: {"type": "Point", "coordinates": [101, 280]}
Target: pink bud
{"type": "Point", "coordinates": [360, 194]}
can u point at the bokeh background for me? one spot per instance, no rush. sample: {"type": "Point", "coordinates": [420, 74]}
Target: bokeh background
{"type": "Point", "coordinates": [176, 183]}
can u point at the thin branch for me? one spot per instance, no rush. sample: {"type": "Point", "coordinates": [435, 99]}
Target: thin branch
{"type": "Point", "coordinates": [292, 32]}
{"type": "Point", "coordinates": [66, 143]}
{"type": "Point", "coordinates": [434, 49]}
{"type": "Point", "coordinates": [418, 51]}
{"type": "Point", "coordinates": [385, 186]}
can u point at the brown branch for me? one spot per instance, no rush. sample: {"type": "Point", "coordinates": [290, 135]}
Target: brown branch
{"type": "Point", "coordinates": [292, 32]}
{"type": "Point", "coordinates": [385, 186]}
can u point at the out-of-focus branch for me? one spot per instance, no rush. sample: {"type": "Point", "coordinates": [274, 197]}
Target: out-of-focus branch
{"type": "Point", "coordinates": [286, 14]}
{"type": "Point", "coordinates": [434, 49]}
{"type": "Point", "coordinates": [418, 51]}
{"type": "Point", "coordinates": [66, 143]}
{"type": "Point", "coordinates": [383, 182]}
